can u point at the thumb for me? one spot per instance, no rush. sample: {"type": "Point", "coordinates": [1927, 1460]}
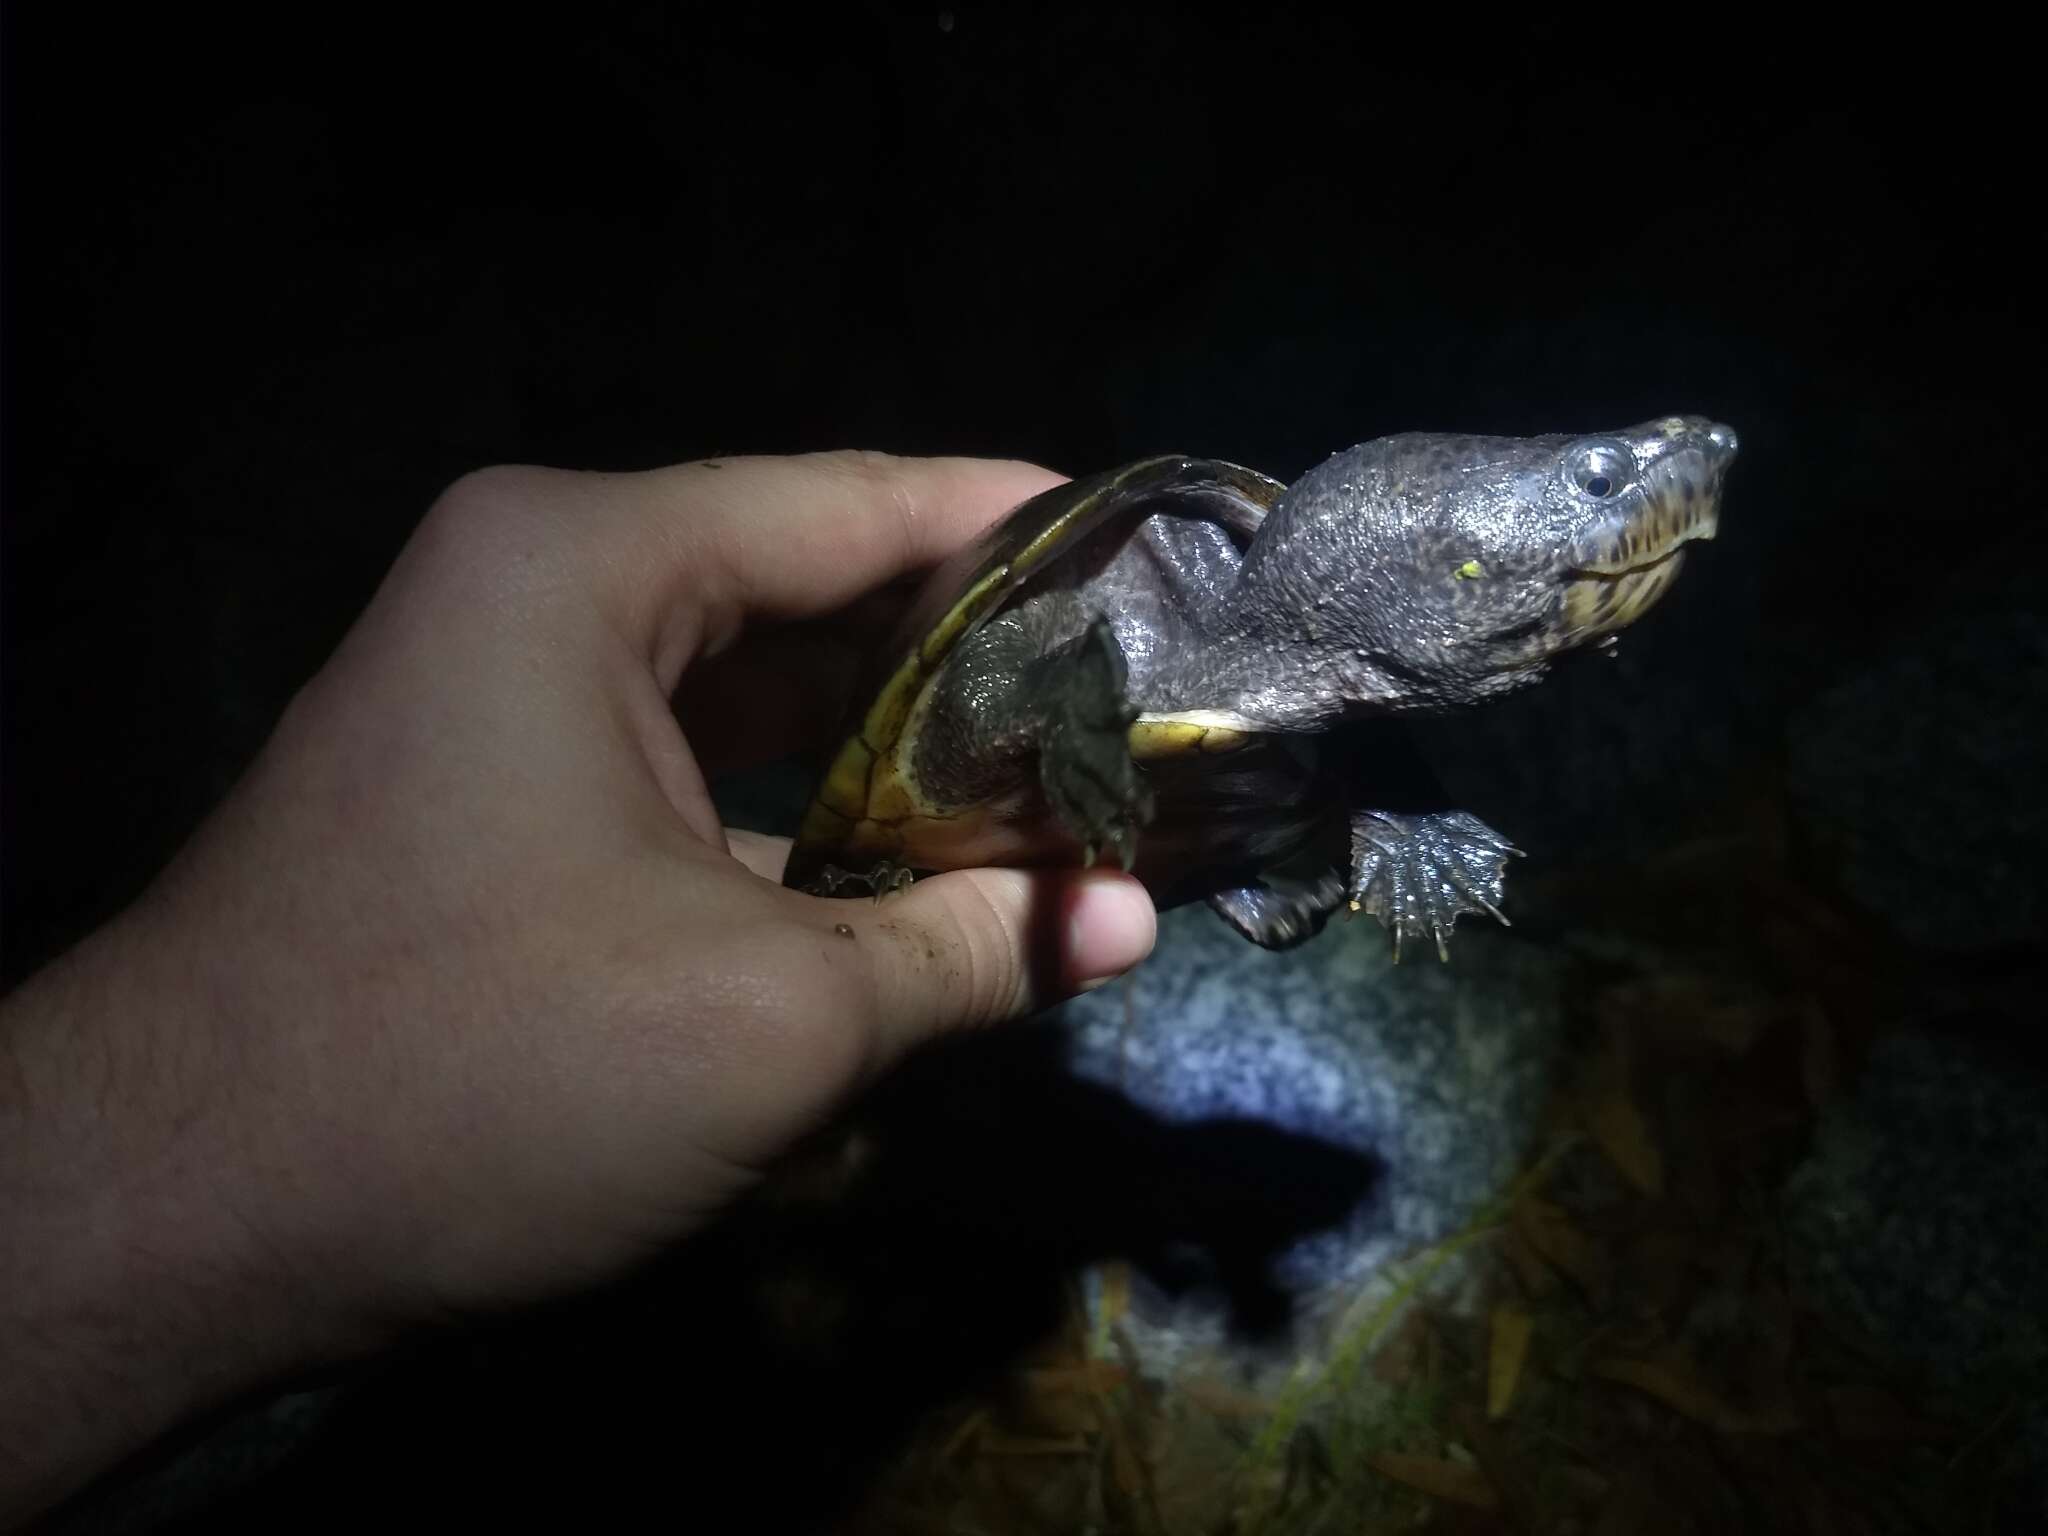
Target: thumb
{"type": "Point", "coordinates": [979, 945]}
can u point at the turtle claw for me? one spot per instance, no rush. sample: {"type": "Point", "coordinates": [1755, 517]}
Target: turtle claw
{"type": "Point", "coordinates": [1418, 873]}
{"type": "Point", "coordinates": [884, 878]}
{"type": "Point", "coordinates": [1473, 892]}
{"type": "Point", "coordinates": [1437, 930]}
{"type": "Point", "coordinates": [1125, 841]}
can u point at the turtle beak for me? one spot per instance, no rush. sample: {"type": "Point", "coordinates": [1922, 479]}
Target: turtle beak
{"type": "Point", "coordinates": [1624, 564]}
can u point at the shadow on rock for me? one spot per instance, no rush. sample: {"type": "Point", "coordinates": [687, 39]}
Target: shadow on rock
{"type": "Point", "coordinates": [910, 1254]}
{"type": "Point", "coordinates": [984, 1170]}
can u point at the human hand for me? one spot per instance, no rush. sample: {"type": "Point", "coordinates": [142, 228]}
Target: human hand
{"type": "Point", "coordinates": [464, 997]}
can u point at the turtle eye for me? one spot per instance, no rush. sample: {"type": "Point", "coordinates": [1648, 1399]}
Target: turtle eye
{"type": "Point", "coordinates": [1599, 470]}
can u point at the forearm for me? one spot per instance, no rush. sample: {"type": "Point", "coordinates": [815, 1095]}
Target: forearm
{"type": "Point", "coordinates": [137, 1288]}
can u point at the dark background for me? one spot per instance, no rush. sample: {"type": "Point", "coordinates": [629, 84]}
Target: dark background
{"type": "Point", "coordinates": [273, 282]}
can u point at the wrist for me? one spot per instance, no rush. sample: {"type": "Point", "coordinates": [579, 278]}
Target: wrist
{"type": "Point", "coordinates": [146, 1275]}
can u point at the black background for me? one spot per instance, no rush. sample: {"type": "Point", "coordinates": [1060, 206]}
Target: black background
{"type": "Point", "coordinates": [274, 281]}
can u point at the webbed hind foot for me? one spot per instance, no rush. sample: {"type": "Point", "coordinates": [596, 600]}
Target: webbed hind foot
{"type": "Point", "coordinates": [1418, 873]}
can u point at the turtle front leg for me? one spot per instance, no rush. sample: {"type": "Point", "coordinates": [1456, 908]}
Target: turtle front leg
{"type": "Point", "coordinates": [1018, 703]}
{"type": "Point", "coordinates": [1418, 873]}
{"type": "Point", "coordinates": [1084, 717]}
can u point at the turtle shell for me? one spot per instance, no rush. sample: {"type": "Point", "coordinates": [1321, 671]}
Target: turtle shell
{"type": "Point", "coordinates": [867, 802]}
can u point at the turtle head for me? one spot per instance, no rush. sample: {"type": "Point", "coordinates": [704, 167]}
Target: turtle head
{"type": "Point", "coordinates": [1454, 568]}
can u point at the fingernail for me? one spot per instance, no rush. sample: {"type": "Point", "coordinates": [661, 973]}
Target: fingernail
{"type": "Point", "coordinates": [1110, 928]}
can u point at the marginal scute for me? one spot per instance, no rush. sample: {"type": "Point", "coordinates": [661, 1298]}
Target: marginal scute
{"type": "Point", "coordinates": [1054, 537]}
{"type": "Point", "coordinates": [845, 790]}
{"type": "Point", "coordinates": [883, 727]}
{"type": "Point", "coordinates": [823, 824]}
{"type": "Point", "coordinates": [889, 798]}
{"type": "Point", "coordinates": [973, 606]}
{"type": "Point", "coordinates": [1034, 554]}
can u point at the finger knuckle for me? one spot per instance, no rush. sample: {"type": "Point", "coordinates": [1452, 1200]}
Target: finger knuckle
{"type": "Point", "coordinates": [885, 479]}
{"type": "Point", "coordinates": [504, 531]}
{"type": "Point", "coordinates": [488, 495]}
{"type": "Point", "coordinates": [865, 463]}
{"type": "Point", "coordinates": [991, 957]}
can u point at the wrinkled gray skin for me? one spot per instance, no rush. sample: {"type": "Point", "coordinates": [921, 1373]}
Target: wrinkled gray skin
{"type": "Point", "coordinates": [1421, 572]}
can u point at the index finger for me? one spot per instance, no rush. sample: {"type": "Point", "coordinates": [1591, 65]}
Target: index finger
{"type": "Point", "coordinates": [727, 541]}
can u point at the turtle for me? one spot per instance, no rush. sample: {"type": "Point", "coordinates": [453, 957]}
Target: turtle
{"type": "Point", "coordinates": [1181, 662]}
